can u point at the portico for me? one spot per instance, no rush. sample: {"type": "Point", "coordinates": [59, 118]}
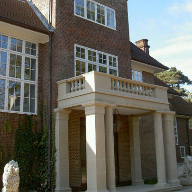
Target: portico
{"type": "Point", "coordinates": [98, 94]}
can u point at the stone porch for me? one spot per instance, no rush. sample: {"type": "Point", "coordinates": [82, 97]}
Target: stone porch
{"type": "Point", "coordinates": [99, 94]}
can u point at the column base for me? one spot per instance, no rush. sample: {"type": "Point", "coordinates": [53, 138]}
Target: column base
{"type": "Point", "coordinates": [63, 189]}
{"type": "Point", "coordinates": [135, 183]}
{"type": "Point", "coordinates": [102, 190]}
{"type": "Point", "coordinates": [161, 185]}
{"type": "Point", "coordinates": [175, 182]}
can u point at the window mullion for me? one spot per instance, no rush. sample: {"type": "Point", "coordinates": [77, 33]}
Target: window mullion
{"type": "Point", "coordinates": [85, 8]}
{"type": "Point", "coordinates": [22, 96]}
{"type": "Point", "coordinates": [36, 80]}
{"type": "Point", "coordinates": [6, 95]}
{"type": "Point", "coordinates": [105, 9]}
{"type": "Point", "coordinates": [107, 63]}
{"type": "Point", "coordinates": [115, 19]}
{"type": "Point", "coordinates": [86, 58]}
{"type": "Point", "coordinates": [96, 12]}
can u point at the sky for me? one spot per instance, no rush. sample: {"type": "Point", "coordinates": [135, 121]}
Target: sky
{"type": "Point", "coordinates": [167, 24]}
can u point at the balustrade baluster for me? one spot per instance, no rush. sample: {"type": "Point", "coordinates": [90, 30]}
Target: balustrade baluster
{"type": "Point", "coordinates": [112, 84]}
{"type": "Point", "coordinates": [120, 85]}
{"type": "Point", "coordinates": [116, 85]}
{"type": "Point", "coordinates": [80, 85]}
{"type": "Point", "coordinates": [72, 86]}
{"type": "Point", "coordinates": [143, 90]}
{"type": "Point", "coordinates": [76, 86]}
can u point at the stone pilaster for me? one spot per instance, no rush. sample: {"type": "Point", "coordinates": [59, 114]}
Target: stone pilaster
{"type": "Point", "coordinates": [170, 151]}
{"type": "Point", "coordinates": [95, 148]}
{"type": "Point", "coordinates": [135, 153]}
{"type": "Point", "coordinates": [110, 156]}
{"type": "Point", "coordinates": [62, 155]}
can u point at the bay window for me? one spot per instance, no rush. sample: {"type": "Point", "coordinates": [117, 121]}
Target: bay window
{"type": "Point", "coordinates": [18, 75]}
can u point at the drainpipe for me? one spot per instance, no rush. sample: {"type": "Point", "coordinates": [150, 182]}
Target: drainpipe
{"type": "Point", "coordinates": [50, 95]}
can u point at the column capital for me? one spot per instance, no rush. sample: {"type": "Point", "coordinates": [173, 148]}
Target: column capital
{"type": "Point", "coordinates": [110, 106]}
{"type": "Point", "coordinates": [62, 110]}
{"type": "Point", "coordinates": [62, 113]}
{"type": "Point", "coordinates": [157, 113]}
{"type": "Point", "coordinates": [170, 113]}
{"type": "Point", "coordinates": [95, 108]}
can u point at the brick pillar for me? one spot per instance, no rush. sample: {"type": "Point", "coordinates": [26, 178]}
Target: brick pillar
{"type": "Point", "coordinates": [135, 154]}
{"type": "Point", "coordinates": [170, 151]}
{"type": "Point", "coordinates": [95, 148]}
{"type": "Point", "coordinates": [110, 156]}
{"type": "Point", "coordinates": [160, 155]}
{"type": "Point", "coordinates": [62, 155]}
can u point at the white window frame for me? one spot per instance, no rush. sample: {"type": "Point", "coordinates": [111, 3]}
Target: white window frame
{"type": "Point", "coordinates": [19, 80]}
{"type": "Point", "coordinates": [190, 123]}
{"type": "Point", "coordinates": [182, 153]}
{"type": "Point", "coordinates": [134, 71]}
{"type": "Point", "coordinates": [175, 131]}
{"type": "Point", "coordinates": [97, 60]}
{"type": "Point", "coordinates": [96, 3]}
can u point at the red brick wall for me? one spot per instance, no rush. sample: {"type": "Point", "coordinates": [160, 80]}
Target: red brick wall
{"type": "Point", "coordinates": [148, 152]}
{"type": "Point", "coordinates": [74, 148]}
{"type": "Point", "coordinates": [124, 160]}
{"type": "Point", "coordinates": [183, 132]}
{"type": "Point", "coordinates": [71, 29]}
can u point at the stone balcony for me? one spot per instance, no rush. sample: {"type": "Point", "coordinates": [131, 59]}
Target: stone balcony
{"type": "Point", "coordinates": [99, 87]}
{"type": "Point", "coordinates": [99, 95]}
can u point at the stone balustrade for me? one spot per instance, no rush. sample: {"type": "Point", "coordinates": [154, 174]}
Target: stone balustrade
{"type": "Point", "coordinates": [77, 84]}
{"type": "Point", "coordinates": [129, 86]}
{"type": "Point", "coordinates": [96, 82]}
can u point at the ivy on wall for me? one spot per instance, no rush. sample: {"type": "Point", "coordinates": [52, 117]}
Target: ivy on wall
{"type": "Point", "coordinates": [31, 151]}
{"type": "Point", "coordinates": [5, 151]}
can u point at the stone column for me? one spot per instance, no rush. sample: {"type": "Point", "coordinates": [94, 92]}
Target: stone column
{"type": "Point", "coordinates": [62, 155]}
{"type": "Point", "coordinates": [110, 156]}
{"type": "Point", "coordinates": [160, 155]}
{"type": "Point", "coordinates": [95, 148]}
{"type": "Point", "coordinates": [135, 153]}
{"type": "Point", "coordinates": [170, 151]}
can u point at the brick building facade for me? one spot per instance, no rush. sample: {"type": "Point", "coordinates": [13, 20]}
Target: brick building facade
{"type": "Point", "coordinates": [57, 60]}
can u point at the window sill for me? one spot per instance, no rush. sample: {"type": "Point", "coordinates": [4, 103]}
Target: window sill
{"type": "Point", "coordinates": [17, 112]}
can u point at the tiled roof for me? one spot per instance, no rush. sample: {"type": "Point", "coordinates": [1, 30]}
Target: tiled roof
{"type": "Point", "coordinates": [139, 55]}
{"type": "Point", "coordinates": [181, 106]}
{"type": "Point", "coordinates": [21, 13]}
{"type": "Point", "coordinates": [170, 90]}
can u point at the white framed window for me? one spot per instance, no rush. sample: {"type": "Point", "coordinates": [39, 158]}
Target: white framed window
{"type": "Point", "coordinates": [18, 75]}
{"type": "Point", "coordinates": [96, 12]}
{"type": "Point", "coordinates": [190, 123]}
{"type": "Point", "coordinates": [176, 131]}
{"type": "Point", "coordinates": [137, 75]}
{"type": "Point", "coordinates": [182, 151]}
{"type": "Point", "coordinates": [87, 59]}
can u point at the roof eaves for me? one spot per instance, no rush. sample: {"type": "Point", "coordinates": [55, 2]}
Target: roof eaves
{"type": "Point", "coordinates": [10, 21]}
{"type": "Point", "coordinates": [162, 66]}
{"type": "Point", "coordinates": [40, 16]}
